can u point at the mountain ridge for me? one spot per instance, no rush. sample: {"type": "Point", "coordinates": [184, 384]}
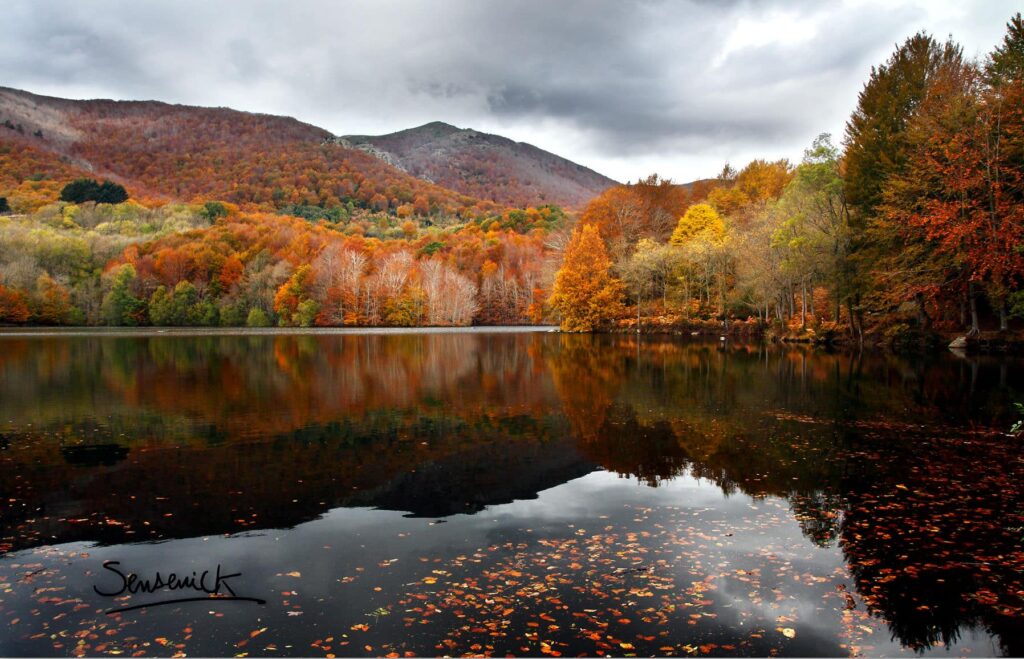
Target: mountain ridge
{"type": "Point", "coordinates": [268, 161]}
{"type": "Point", "coordinates": [466, 159]}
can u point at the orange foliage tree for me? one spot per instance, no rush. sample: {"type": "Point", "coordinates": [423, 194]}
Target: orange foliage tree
{"type": "Point", "coordinates": [585, 292]}
{"type": "Point", "coordinates": [13, 306]}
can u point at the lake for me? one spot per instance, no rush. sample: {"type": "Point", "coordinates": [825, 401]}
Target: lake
{"type": "Point", "coordinates": [527, 493]}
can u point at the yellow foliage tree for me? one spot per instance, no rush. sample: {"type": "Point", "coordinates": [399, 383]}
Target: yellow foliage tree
{"type": "Point", "coordinates": [702, 222]}
{"type": "Point", "coordinates": [585, 292]}
{"type": "Point", "coordinates": [762, 180]}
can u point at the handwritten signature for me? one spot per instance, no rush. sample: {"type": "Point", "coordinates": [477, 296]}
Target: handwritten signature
{"type": "Point", "coordinates": [214, 586]}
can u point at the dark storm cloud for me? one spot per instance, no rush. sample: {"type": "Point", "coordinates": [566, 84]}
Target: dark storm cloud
{"type": "Point", "coordinates": [624, 87]}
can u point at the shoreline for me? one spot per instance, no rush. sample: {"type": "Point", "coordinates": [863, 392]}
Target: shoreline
{"type": "Point", "coordinates": [44, 332]}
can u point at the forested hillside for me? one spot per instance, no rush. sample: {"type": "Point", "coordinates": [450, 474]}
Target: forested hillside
{"type": "Point", "coordinates": [167, 152]}
{"type": "Point", "coordinates": [212, 235]}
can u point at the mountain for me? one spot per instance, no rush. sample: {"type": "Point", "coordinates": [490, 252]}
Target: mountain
{"type": "Point", "coordinates": [485, 166]}
{"type": "Point", "coordinates": [166, 151]}
{"type": "Point", "coordinates": [266, 162]}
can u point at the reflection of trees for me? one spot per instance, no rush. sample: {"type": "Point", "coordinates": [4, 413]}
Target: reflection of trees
{"type": "Point", "coordinates": [819, 515]}
{"type": "Point", "coordinates": [651, 453]}
{"type": "Point", "coordinates": [930, 527]}
{"type": "Point", "coordinates": [274, 430]}
{"type": "Point", "coordinates": [933, 537]}
{"type": "Point", "coordinates": [259, 385]}
{"type": "Point", "coordinates": [587, 374]}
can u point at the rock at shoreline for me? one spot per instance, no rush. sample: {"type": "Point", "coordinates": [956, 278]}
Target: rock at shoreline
{"type": "Point", "coordinates": [959, 343]}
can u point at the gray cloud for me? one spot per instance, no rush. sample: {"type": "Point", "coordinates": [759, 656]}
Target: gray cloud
{"type": "Point", "coordinates": [675, 87]}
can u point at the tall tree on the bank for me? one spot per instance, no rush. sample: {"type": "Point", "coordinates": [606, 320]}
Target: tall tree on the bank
{"type": "Point", "coordinates": [813, 236]}
{"type": "Point", "coordinates": [1004, 154]}
{"type": "Point", "coordinates": [921, 203]}
{"type": "Point", "coordinates": [957, 206]}
{"type": "Point", "coordinates": [876, 134]}
{"type": "Point", "coordinates": [877, 143]}
{"type": "Point", "coordinates": [585, 292]}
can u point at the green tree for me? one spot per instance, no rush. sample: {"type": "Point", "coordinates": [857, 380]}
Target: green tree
{"type": "Point", "coordinates": [648, 271]}
{"type": "Point", "coordinates": [213, 210]}
{"type": "Point", "coordinates": [876, 134]}
{"type": "Point", "coordinates": [257, 318]}
{"type": "Point", "coordinates": [305, 313]}
{"type": "Point", "coordinates": [120, 306]}
{"type": "Point", "coordinates": [813, 237]}
{"type": "Point", "coordinates": [232, 314]}
{"type": "Point", "coordinates": [161, 308]}
{"type": "Point", "coordinates": [877, 148]}
{"type": "Point", "coordinates": [87, 189]}
{"type": "Point", "coordinates": [182, 307]}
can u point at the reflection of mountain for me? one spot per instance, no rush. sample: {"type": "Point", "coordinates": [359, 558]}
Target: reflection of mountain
{"type": "Point", "coordinates": [480, 476]}
{"type": "Point", "coordinates": [429, 466]}
{"type": "Point", "coordinates": [92, 455]}
{"type": "Point", "coordinates": [220, 435]}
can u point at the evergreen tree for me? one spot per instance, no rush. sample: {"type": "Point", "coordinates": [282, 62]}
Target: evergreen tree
{"type": "Point", "coordinates": [876, 140]}
{"type": "Point", "coordinates": [87, 189]}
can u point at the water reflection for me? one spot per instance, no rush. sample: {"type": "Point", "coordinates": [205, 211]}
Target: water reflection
{"type": "Point", "coordinates": [893, 474]}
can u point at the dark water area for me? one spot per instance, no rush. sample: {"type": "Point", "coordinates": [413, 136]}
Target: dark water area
{"type": "Point", "coordinates": [506, 493]}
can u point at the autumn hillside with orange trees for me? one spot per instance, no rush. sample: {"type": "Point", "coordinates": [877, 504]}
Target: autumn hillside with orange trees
{"type": "Point", "coordinates": [214, 265]}
{"type": "Point", "coordinates": [167, 152]}
{"type": "Point", "coordinates": [909, 231]}
{"type": "Point", "coordinates": [236, 219]}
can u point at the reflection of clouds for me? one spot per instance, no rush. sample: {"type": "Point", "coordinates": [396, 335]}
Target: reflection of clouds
{"type": "Point", "coordinates": [352, 542]}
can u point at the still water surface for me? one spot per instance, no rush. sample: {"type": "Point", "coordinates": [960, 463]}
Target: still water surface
{"type": "Point", "coordinates": [507, 493]}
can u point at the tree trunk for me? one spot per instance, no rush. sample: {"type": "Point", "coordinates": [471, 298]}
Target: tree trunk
{"type": "Point", "coordinates": [803, 305]}
{"type": "Point", "coordinates": [839, 308]}
{"type": "Point", "coordinates": [973, 302]}
{"type": "Point", "coordinates": [923, 320]}
{"type": "Point", "coordinates": [856, 330]}
{"type": "Point", "coordinates": [1004, 324]}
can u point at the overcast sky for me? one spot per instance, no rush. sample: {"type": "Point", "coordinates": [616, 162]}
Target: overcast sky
{"type": "Point", "coordinates": [676, 87]}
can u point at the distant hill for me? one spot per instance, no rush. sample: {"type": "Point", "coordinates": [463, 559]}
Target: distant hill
{"type": "Point", "coordinates": [186, 153]}
{"type": "Point", "coordinates": [268, 162]}
{"type": "Point", "coordinates": [485, 166]}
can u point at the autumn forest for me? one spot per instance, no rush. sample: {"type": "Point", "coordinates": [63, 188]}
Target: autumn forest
{"type": "Point", "coordinates": [907, 228]}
